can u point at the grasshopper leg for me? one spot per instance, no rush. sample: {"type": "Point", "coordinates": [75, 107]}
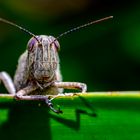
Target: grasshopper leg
{"type": "Point", "coordinates": [71, 85]}
{"type": "Point", "coordinates": [23, 95]}
{"type": "Point", "coordinates": [8, 83]}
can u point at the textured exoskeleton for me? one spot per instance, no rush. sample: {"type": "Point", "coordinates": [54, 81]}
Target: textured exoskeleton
{"type": "Point", "coordinates": [38, 72]}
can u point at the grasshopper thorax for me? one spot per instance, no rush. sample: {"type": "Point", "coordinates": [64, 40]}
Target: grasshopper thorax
{"type": "Point", "coordinates": [43, 57]}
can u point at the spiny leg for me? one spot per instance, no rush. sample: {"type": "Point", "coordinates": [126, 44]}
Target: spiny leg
{"type": "Point", "coordinates": [25, 91]}
{"type": "Point", "coordinates": [69, 85]}
{"type": "Point", "coordinates": [8, 83]}
{"type": "Point", "coordinates": [23, 95]}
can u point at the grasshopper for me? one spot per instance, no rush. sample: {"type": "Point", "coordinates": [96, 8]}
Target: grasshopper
{"type": "Point", "coordinates": [38, 72]}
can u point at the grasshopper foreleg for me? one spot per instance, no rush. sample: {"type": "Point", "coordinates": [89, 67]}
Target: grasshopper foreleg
{"type": "Point", "coordinates": [71, 85]}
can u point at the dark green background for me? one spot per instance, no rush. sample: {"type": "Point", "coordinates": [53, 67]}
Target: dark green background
{"type": "Point", "coordinates": [105, 56]}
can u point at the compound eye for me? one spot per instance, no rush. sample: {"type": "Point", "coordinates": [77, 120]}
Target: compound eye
{"type": "Point", "coordinates": [31, 43]}
{"type": "Point", "coordinates": [57, 46]}
{"type": "Point", "coordinates": [55, 42]}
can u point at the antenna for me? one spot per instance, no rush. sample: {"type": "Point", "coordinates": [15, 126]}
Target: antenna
{"type": "Point", "coordinates": [82, 26]}
{"type": "Point", "coordinates": [21, 28]}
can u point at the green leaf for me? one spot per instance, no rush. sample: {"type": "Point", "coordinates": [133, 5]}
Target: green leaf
{"type": "Point", "coordinates": [92, 116]}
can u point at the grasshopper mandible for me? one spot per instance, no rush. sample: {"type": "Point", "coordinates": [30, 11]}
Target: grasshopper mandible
{"type": "Point", "coordinates": [38, 74]}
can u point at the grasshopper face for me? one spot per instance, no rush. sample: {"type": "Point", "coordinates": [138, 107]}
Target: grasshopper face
{"type": "Point", "coordinates": [43, 57]}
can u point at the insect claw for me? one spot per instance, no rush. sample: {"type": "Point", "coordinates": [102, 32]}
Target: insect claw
{"type": "Point", "coordinates": [50, 105]}
{"type": "Point", "coordinates": [56, 111]}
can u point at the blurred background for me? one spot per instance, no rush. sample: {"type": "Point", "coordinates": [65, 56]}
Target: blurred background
{"type": "Point", "coordinates": [105, 56]}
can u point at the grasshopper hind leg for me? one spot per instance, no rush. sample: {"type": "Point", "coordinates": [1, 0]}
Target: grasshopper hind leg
{"type": "Point", "coordinates": [8, 83]}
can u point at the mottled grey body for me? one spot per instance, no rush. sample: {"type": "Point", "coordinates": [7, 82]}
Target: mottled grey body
{"type": "Point", "coordinates": [38, 71]}
{"type": "Point", "coordinates": [22, 79]}
{"type": "Point", "coordinates": [37, 66]}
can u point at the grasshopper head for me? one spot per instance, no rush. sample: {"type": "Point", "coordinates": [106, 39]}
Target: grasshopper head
{"type": "Point", "coordinates": [43, 57]}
